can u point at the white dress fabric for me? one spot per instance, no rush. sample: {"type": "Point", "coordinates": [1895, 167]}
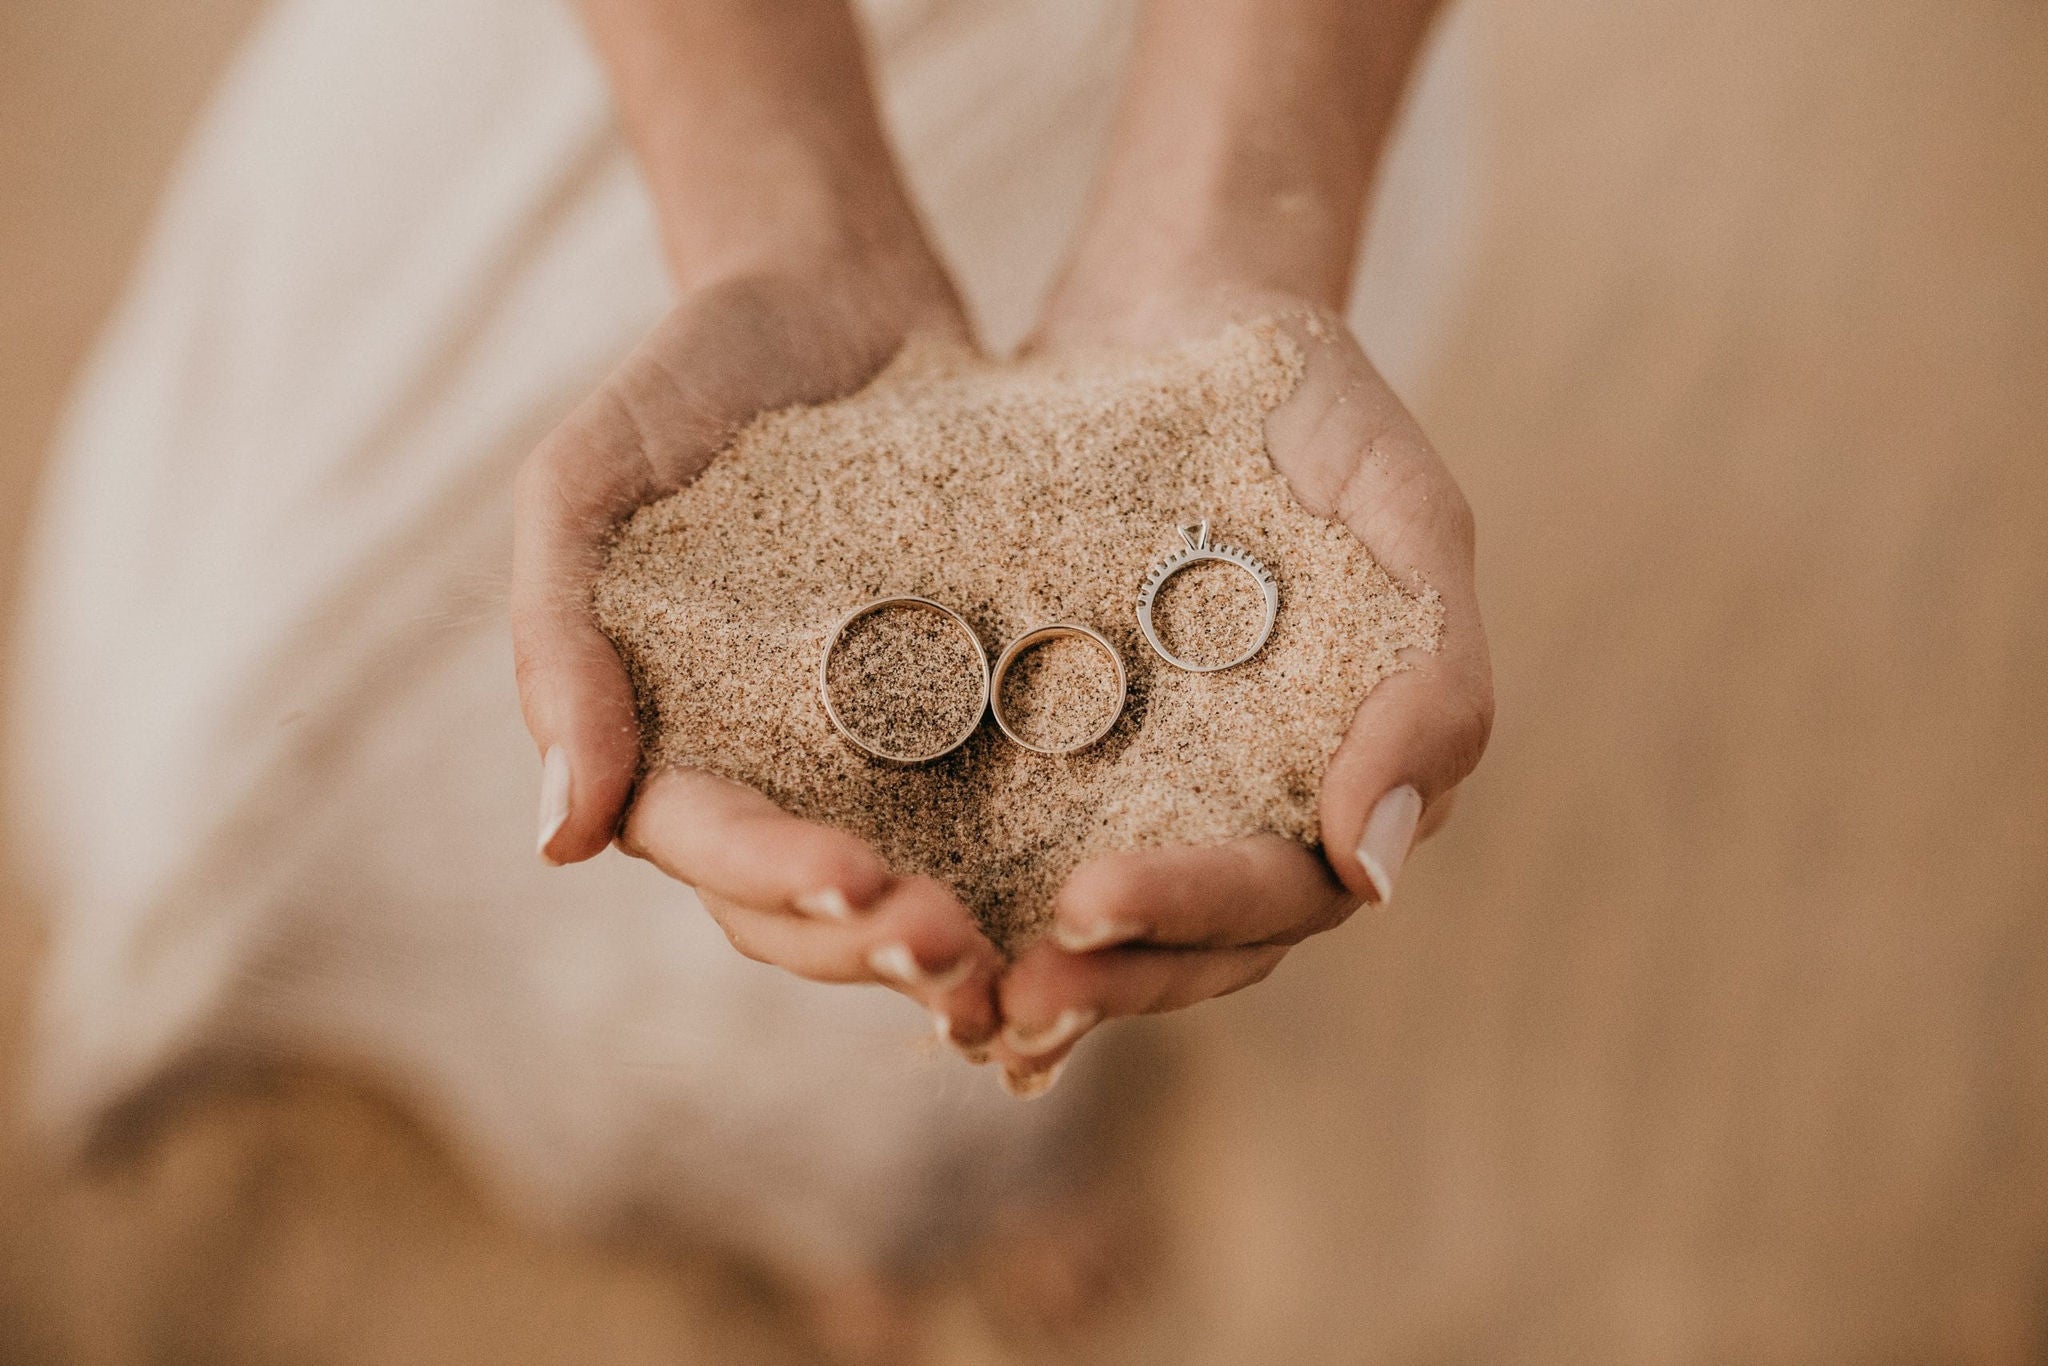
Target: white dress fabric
{"type": "Point", "coordinates": [268, 762]}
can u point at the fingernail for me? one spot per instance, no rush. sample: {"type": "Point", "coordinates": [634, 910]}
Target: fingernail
{"type": "Point", "coordinates": [554, 797]}
{"type": "Point", "coordinates": [1032, 1085]}
{"type": "Point", "coordinates": [1088, 938]}
{"type": "Point", "coordinates": [1070, 1025]}
{"type": "Point", "coordinates": [827, 903]}
{"type": "Point", "coordinates": [942, 1024]}
{"type": "Point", "coordinates": [1389, 833]}
{"type": "Point", "coordinates": [897, 963]}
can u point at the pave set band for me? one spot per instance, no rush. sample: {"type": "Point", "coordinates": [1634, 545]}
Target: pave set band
{"type": "Point", "coordinates": [1197, 548]}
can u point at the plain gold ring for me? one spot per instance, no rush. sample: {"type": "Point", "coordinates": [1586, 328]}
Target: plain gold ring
{"type": "Point", "coordinates": [1038, 635]}
{"type": "Point", "coordinates": [825, 678]}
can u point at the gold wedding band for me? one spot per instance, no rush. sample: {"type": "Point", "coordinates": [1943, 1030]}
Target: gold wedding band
{"type": "Point", "coordinates": [825, 678]}
{"type": "Point", "coordinates": [1038, 635]}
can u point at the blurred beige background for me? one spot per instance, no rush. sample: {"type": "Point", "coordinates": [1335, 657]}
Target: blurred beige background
{"type": "Point", "coordinates": [1716, 1027]}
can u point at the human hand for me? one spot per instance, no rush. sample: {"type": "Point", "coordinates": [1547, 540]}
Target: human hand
{"type": "Point", "coordinates": [802, 270]}
{"type": "Point", "coordinates": [1234, 188]}
{"type": "Point", "coordinates": [804, 896]}
{"type": "Point", "coordinates": [1160, 929]}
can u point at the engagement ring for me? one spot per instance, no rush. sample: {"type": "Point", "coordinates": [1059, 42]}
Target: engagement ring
{"type": "Point", "coordinates": [1197, 548]}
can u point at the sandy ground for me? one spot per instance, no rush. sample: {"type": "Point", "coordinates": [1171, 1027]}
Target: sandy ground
{"type": "Point", "coordinates": [1716, 1027]}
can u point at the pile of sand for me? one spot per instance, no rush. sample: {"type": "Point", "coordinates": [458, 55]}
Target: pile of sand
{"type": "Point", "coordinates": [1016, 494]}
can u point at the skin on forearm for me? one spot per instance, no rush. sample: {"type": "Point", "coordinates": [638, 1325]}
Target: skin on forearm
{"type": "Point", "coordinates": [1244, 147]}
{"type": "Point", "coordinates": [755, 126]}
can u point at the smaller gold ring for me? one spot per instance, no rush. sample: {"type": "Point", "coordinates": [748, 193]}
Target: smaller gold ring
{"type": "Point", "coordinates": [825, 679]}
{"type": "Point", "coordinates": [1036, 635]}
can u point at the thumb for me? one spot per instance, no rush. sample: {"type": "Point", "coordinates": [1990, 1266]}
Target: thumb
{"type": "Point", "coordinates": [573, 688]}
{"type": "Point", "coordinates": [1358, 454]}
{"type": "Point", "coordinates": [1414, 739]}
{"type": "Point", "coordinates": [1422, 730]}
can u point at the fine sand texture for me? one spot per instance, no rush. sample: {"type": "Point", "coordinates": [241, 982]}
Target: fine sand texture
{"type": "Point", "coordinates": [1017, 494]}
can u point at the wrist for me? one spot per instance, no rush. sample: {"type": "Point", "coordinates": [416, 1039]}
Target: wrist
{"type": "Point", "coordinates": [1189, 251]}
{"type": "Point", "coordinates": [781, 202]}
{"type": "Point", "coordinates": [1244, 149]}
{"type": "Point", "coordinates": [755, 129]}
{"type": "Point", "coordinates": [865, 268]}
{"type": "Point", "coordinates": [1149, 279]}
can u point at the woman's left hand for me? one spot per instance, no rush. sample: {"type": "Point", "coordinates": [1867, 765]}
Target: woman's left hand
{"type": "Point", "coordinates": [1159, 929]}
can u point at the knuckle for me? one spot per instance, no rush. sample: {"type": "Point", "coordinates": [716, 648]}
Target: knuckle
{"type": "Point", "coordinates": [539, 485]}
{"type": "Point", "coordinates": [1109, 884]}
{"type": "Point", "coordinates": [1375, 499]}
{"type": "Point", "coordinates": [1326, 918]}
{"type": "Point", "coordinates": [1261, 969]}
{"type": "Point", "coordinates": [1472, 726]}
{"type": "Point", "coordinates": [527, 664]}
{"type": "Point", "coordinates": [1411, 509]}
{"type": "Point", "coordinates": [1458, 524]}
{"type": "Point", "coordinates": [744, 943]}
{"type": "Point", "coordinates": [1177, 986]}
{"type": "Point", "coordinates": [1024, 994]}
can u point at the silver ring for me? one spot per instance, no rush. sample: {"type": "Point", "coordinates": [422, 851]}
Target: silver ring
{"type": "Point", "coordinates": [1197, 547]}
{"type": "Point", "coordinates": [1034, 636]}
{"type": "Point", "coordinates": [825, 681]}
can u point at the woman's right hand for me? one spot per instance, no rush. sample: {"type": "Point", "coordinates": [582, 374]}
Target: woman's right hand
{"type": "Point", "coordinates": [803, 896]}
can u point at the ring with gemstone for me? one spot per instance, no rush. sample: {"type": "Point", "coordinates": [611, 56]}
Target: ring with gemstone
{"type": "Point", "coordinates": [869, 747]}
{"type": "Point", "coordinates": [1195, 549]}
{"type": "Point", "coordinates": [1039, 635]}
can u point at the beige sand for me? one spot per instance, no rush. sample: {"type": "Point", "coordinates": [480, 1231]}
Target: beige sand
{"type": "Point", "coordinates": [1016, 494]}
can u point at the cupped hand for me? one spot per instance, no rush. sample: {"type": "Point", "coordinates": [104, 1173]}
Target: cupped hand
{"type": "Point", "coordinates": [1160, 929]}
{"type": "Point", "coordinates": [804, 896]}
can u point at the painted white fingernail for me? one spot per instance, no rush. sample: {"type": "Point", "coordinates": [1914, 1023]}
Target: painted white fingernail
{"type": "Point", "coordinates": [897, 963]}
{"type": "Point", "coordinates": [1070, 1025]}
{"type": "Point", "coordinates": [1088, 938]}
{"type": "Point", "coordinates": [1389, 834]}
{"type": "Point", "coordinates": [1032, 1085]}
{"type": "Point", "coordinates": [554, 797]}
{"type": "Point", "coordinates": [827, 903]}
{"type": "Point", "coordinates": [942, 1025]}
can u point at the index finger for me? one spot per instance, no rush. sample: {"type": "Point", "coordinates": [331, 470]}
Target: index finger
{"type": "Point", "coordinates": [727, 839]}
{"type": "Point", "coordinates": [1259, 890]}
